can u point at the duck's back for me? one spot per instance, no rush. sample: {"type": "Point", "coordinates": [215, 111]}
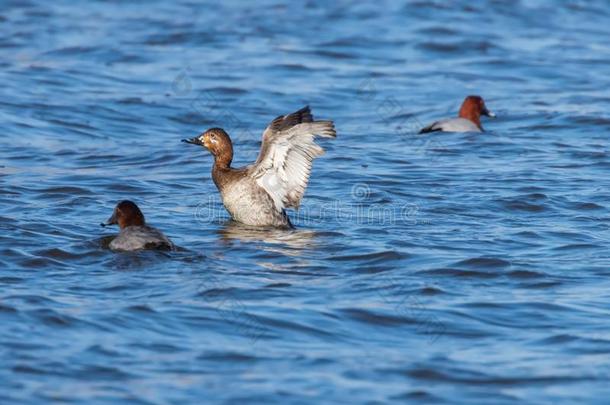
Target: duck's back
{"type": "Point", "coordinates": [141, 237]}
{"type": "Point", "coordinates": [452, 125]}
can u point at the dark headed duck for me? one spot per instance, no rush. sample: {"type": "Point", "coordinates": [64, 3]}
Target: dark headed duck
{"type": "Point", "coordinates": [469, 119]}
{"type": "Point", "coordinates": [134, 233]}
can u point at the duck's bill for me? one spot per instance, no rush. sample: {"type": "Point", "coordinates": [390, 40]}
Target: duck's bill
{"type": "Point", "coordinates": [488, 113]}
{"type": "Point", "coordinates": [194, 141]}
{"type": "Point", "coordinates": [111, 221]}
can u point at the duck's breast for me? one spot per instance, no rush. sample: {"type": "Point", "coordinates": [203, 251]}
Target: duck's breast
{"type": "Point", "coordinates": [250, 204]}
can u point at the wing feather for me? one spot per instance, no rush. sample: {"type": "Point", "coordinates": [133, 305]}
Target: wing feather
{"type": "Point", "coordinates": [288, 149]}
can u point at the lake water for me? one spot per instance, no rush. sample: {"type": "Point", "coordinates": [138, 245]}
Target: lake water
{"type": "Point", "coordinates": [450, 268]}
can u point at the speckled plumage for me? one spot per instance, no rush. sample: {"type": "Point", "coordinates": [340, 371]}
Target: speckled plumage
{"type": "Point", "coordinates": [140, 237]}
{"type": "Point", "coordinates": [250, 204]}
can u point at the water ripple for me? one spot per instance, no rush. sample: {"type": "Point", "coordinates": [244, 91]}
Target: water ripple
{"type": "Point", "coordinates": [450, 268]}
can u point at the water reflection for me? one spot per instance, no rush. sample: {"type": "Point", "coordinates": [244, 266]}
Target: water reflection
{"type": "Point", "coordinates": [290, 242]}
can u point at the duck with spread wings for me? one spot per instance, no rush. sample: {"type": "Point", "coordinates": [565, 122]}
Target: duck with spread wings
{"type": "Point", "coordinates": [259, 194]}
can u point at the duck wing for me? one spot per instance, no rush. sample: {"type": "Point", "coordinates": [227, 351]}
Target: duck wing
{"type": "Point", "coordinates": [287, 151]}
{"type": "Point", "coordinates": [435, 126]}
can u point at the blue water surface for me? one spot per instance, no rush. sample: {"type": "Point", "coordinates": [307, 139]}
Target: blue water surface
{"type": "Point", "coordinates": [449, 268]}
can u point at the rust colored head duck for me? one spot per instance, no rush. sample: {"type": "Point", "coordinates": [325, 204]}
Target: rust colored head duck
{"type": "Point", "coordinates": [135, 234]}
{"type": "Point", "coordinates": [259, 194]}
{"type": "Point", "coordinates": [469, 119]}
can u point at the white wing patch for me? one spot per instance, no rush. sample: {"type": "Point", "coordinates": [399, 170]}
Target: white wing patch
{"type": "Point", "coordinates": [286, 158]}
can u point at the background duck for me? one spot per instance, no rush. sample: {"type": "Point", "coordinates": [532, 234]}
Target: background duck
{"type": "Point", "coordinates": [258, 194]}
{"type": "Point", "coordinates": [135, 234]}
{"type": "Point", "coordinates": [469, 118]}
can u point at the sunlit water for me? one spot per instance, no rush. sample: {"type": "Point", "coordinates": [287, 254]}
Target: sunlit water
{"type": "Point", "coordinates": [456, 268]}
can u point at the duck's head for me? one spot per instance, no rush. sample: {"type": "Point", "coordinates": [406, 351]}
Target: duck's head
{"type": "Point", "coordinates": [473, 107]}
{"type": "Point", "coordinates": [126, 213]}
{"type": "Point", "coordinates": [217, 141]}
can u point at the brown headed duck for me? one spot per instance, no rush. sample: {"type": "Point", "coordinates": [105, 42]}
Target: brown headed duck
{"type": "Point", "coordinates": [135, 234]}
{"type": "Point", "coordinates": [258, 194]}
{"type": "Point", "coordinates": [469, 119]}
